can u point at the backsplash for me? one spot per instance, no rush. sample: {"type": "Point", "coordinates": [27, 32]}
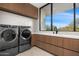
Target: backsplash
{"type": "Point", "coordinates": [13, 19]}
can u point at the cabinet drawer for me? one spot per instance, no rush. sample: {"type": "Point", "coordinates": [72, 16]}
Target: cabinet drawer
{"type": "Point", "coordinates": [72, 44]}
{"type": "Point", "coordinates": [54, 40]}
{"type": "Point", "coordinates": [34, 38]}
{"type": "Point", "coordinates": [55, 50]}
{"type": "Point", "coordinates": [60, 42]}
{"type": "Point", "coordinates": [70, 53]}
{"type": "Point", "coordinates": [50, 48]}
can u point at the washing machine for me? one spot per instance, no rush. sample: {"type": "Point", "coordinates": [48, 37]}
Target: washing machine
{"type": "Point", "coordinates": [25, 38]}
{"type": "Point", "coordinates": [8, 37]}
{"type": "Point", "coordinates": [9, 52]}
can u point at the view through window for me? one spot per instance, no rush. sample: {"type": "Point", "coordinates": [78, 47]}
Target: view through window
{"type": "Point", "coordinates": [46, 18]}
{"type": "Point", "coordinates": [77, 16]}
{"type": "Point", "coordinates": [63, 16]}
{"type": "Point", "coordinates": [60, 16]}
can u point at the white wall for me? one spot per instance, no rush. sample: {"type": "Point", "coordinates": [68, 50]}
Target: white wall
{"type": "Point", "coordinates": [13, 19]}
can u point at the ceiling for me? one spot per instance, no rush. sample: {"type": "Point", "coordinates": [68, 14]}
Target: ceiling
{"type": "Point", "coordinates": [57, 7]}
{"type": "Point", "coordinates": [38, 5]}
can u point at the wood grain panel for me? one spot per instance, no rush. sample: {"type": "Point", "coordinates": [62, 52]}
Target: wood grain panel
{"type": "Point", "coordinates": [58, 45]}
{"type": "Point", "coordinates": [54, 40]}
{"type": "Point", "coordinates": [54, 49]}
{"type": "Point", "coordinates": [70, 53]}
{"type": "Point", "coordinates": [34, 38]}
{"type": "Point", "coordinates": [60, 41]}
{"type": "Point", "coordinates": [50, 48]}
{"type": "Point", "coordinates": [20, 8]}
{"type": "Point", "coordinates": [45, 38]}
{"type": "Point", "coordinates": [71, 44]}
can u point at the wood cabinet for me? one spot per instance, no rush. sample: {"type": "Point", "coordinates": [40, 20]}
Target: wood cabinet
{"type": "Point", "coordinates": [34, 38]}
{"type": "Point", "coordinates": [72, 44]}
{"type": "Point", "coordinates": [58, 41]}
{"type": "Point", "coordinates": [70, 53]}
{"type": "Point", "coordinates": [45, 38]}
{"type": "Point", "coordinates": [58, 45]}
{"type": "Point", "coordinates": [55, 50]}
{"type": "Point", "coordinates": [54, 40]}
{"type": "Point", "coordinates": [50, 48]}
{"type": "Point", "coordinates": [21, 9]}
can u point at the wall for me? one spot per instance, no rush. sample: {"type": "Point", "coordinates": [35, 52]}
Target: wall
{"type": "Point", "coordinates": [13, 19]}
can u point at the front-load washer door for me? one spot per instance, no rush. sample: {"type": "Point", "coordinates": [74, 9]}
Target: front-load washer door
{"type": "Point", "coordinates": [9, 39]}
{"type": "Point", "coordinates": [25, 37]}
{"type": "Point", "coordinates": [8, 35]}
{"type": "Point", "coordinates": [26, 34]}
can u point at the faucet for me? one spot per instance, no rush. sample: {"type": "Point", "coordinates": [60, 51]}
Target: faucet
{"type": "Point", "coordinates": [55, 29]}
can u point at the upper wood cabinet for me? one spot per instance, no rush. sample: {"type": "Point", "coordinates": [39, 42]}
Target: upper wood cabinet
{"type": "Point", "coordinates": [21, 9]}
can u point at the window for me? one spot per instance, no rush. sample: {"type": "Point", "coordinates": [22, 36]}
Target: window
{"type": "Point", "coordinates": [59, 16]}
{"type": "Point", "coordinates": [45, 17]}
{"type": "Point", "coordinates": [63, 16]}
{"type": "Point", "coordinates": [77, 17]}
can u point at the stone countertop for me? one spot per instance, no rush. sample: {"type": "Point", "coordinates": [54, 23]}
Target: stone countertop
{"type": "Point", "coordinates": [74, 35]}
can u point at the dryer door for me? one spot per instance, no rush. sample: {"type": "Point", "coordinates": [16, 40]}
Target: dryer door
{"type": "Point", "coordinates": [26, 34]}
{"type": "Point", "coordinates": [8, 35]}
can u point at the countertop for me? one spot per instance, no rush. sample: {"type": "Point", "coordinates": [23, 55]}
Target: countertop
{"type": "Point", "coordinates": [74, 35]}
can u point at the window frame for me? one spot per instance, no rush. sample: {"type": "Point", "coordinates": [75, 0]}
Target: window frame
{"type": "Point", "coordinates": [40, 15]}
{"type": "Point", "coordinates": [74, 17]}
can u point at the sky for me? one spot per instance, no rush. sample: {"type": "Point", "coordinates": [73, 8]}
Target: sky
{"type": "Point", "coordinates": [62, 19]}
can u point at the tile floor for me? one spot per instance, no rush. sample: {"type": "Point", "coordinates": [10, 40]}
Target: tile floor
{"type": "Point", "coordinates": [35, 51]}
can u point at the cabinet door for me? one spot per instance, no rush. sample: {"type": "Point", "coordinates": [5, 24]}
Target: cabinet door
{"type": "Point", "coordinates": [50, 48]}
{"type": "Point", "coordinates": [72, 44]}
{"type": "Point", "coordinates": [44, 38]}
{"type": "Point", "coordinates": [47, 39]}
{"type": "Point", "coordinates": [41, 45]}
{"type": "Point", "coordinates": [21, 9]}
{"type": "Point", "coordinates": [34, 38]}
{"type": "Point", "coordinates": [60, 41]}
{"type": "Point", "coordinates": [37, 43]}
{"type": "Point", "coordinates": [70, 53]}
{"type": "Point", "coordinates": [54, 40]}
{"type": "Point", "coordinates": [55, 50]}
{"type": "Point", "coordinates": [75, 45]}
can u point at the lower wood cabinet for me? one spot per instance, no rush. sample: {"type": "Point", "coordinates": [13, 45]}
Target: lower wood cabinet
{"type": "Point", "coordinates": [50, 48]}
{"type": "Point", "coordinates": [57, 45]}
{"type": "Point", "coordinates": [34, 38]}
{"type": "Point", "coordinates": [59, 41]}
{"type": "Point", "coordinates": [70, 53]}
{"type": "Point", "coordinates": [32, 41]}
{"type": "Point", "coordinates": [54, 40]}
{"type": "Point", "coordinates": [44, 38]}
{"type": "Point", "coordinates": [72, 44]}
{"type": "Point", "coordinates": [55, 50]}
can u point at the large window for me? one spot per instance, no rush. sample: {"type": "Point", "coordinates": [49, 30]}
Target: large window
{"type": "Point", "coordinates": [45, 17]}
{"type": "Point", "coordinates": [63, 16]}
{"type": "Point", "coordinates": [59, 16]}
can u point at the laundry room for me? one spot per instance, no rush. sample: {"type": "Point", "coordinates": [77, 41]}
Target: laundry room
{"type": "Point", "coordinates": [39, 29]}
